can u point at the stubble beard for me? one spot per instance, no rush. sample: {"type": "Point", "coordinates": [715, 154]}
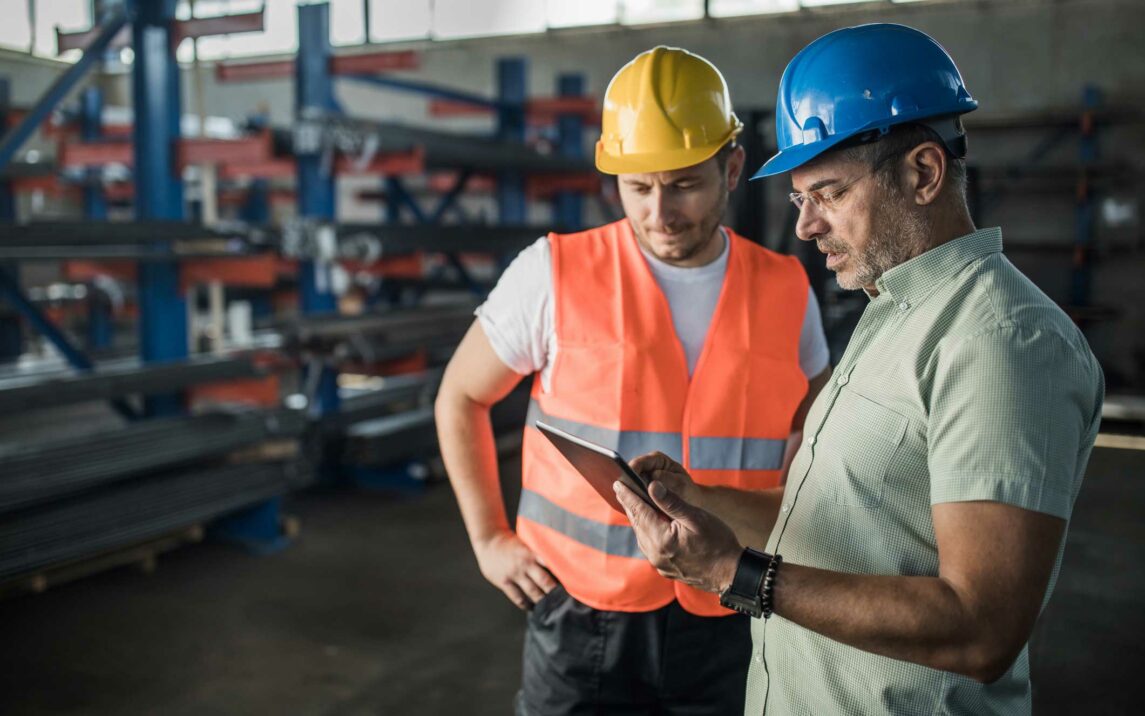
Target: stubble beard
{"type": "Point", "coordinates": [706, 233]}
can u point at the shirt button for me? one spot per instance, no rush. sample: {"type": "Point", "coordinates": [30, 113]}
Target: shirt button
{"type": "Point", "coordinates": [786, 508]}
{"type": "Point", "coordinates": [904, 306]}
{"type": "Point", "coordinates": [811, 440]}
{"type": "Point", "coordinates": [759, 658]}
{"type": "Point", "coordinates": [842, 380]}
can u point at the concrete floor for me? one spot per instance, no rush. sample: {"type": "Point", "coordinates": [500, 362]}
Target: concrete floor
{"type": "Point", "coordinates": [379, 609]}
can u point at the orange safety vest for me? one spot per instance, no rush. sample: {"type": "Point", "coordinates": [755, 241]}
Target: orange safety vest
{"type": "Point", "coordinates": [620, 379]}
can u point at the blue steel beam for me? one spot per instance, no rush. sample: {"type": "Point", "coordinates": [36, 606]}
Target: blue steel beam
{"type": "Point", "coordinates": [511, 87]}
{"type": "Point", "coordinates": [113, 22]}
{"type": "Point", "coordinates": [314, 93]}
{"type": "Point", "coordinates": [158, 188]}
{"type": "Point", "coordinates": [91, 129]}
{"type": "Point", "coordinates": [568, 206]}
{"type": "Point", "coordinates": [11, 331]}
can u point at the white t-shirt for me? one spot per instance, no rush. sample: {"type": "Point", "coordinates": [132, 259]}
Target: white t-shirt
{"type": "Point", "coordinates": [518, 316]}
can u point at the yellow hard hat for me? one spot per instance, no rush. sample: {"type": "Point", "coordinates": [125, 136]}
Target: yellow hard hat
{"type": "Point", "coordinates": [666, 109]}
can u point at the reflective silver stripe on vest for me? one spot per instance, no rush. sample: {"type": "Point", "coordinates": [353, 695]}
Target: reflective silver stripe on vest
{"type": "Point", "coordinates": [628, 443]}
{"type": "Point", "coordinates": [736, 453]}
{"type": "Point", "coordinates": [705, 453]}
{"type": "Point", "coordinates": [618, 540]}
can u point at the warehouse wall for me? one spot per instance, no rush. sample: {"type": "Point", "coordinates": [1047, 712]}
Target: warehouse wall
{"type": "Point", "coordinates": [1017, 56]}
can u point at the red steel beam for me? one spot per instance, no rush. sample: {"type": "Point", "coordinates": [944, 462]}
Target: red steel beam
{"type": "Point", "coordinates": [374, 62]}
{"type": "Point", "coordinates": [220, 25]}
{"type": "Point", "coordinates": [246, 150]}
{"type": "Point", "coordinates": [364, 64]}
{"type": "Point", "coordinates": [537, 111]}
{"type": "Point", "coordinates": [89, 154]}
{"type": "Point", "coordinates": [265, 169]}
{"type": "Point", "coordinates": [181, 30]}
{"type": "Point", "coordinates": [392, 164]}
{"type": "Point", "coordinates": [253, 71]}
{"type": "Point", "coordinates": [80, 40]}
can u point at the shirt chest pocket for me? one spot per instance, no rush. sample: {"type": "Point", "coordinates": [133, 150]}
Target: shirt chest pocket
{"type": "Point", "coordinates": [857, 446]}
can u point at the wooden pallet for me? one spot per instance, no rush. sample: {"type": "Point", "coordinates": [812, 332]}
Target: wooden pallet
{"type": "Point", "coordinates": [144, 556]}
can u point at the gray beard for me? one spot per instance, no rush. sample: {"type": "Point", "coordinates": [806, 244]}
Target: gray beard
{"type": "Point", "coordinates": [897, 236]}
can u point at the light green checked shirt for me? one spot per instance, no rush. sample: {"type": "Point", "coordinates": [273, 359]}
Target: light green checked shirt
{"type": "Point", "coordinates": [962, 382]}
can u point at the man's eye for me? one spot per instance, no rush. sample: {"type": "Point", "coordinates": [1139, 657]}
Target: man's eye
{"type": "Point", "coordinates": [832, 197]}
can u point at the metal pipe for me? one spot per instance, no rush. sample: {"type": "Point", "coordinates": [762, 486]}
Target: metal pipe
{"type": "Point", "coordinates": [425, 88]}
{"type": "Point", "coordinates": [443, 150]}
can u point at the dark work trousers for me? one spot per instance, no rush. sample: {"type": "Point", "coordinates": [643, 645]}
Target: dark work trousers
{"type": "Point", "coordinates": [579, 660]}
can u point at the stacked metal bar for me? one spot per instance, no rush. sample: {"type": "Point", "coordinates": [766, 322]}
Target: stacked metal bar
{"type": "Point", "coordinates": [33, 473]}
{"type": "Point", "coordinates": [381, 336]}
{"type": "Point", "coordinates": [133, 511]}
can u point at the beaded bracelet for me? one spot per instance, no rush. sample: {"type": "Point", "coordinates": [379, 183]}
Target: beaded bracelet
{"type": "Point", "coordinates": [768, 590]}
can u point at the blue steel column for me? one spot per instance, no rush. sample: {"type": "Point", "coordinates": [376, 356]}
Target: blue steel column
{"type": "Point", "coordinates": [99, 319]}
{"type": "Point", "coordinates": [158, 189]}
{"type": "Point", "coordinates": [511, 88]}
{"type": "Point", "coordinates": [91, 129]}
{"type": "Point", "coordinates": [314, 92]}
{"type": "Point", "coordinates": [568, 205]}
{"type": "Point", "coordinates": [11, 333]}
{"type": "Point", "coordinates": [1085, 217]}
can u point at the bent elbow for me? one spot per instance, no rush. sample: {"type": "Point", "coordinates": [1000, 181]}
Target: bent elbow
{"type": "Point", "coordinates": [990, 664]}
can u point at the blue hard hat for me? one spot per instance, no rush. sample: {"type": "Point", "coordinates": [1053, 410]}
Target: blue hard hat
{"type": "Point", "coordinates": [858, 80]}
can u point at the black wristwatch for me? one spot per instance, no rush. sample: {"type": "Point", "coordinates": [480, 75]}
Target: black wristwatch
{"type": "Point", "coordinates": [744, 594]}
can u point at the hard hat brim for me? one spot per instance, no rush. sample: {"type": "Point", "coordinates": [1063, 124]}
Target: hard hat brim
{"type": "Point", "coordinates": [798, 155]}
{"type": "Point", "coordinates": [662, 161]}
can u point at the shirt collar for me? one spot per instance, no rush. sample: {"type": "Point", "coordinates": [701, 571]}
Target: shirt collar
{"type": "Point", "coordinates": [912, 281]}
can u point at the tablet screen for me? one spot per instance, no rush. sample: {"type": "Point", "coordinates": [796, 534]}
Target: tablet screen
{"type": "Point", "coordinates": [597, 464]}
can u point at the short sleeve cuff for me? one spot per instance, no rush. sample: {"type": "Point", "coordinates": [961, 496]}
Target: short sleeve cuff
{"type": "Point", "coordinates": [501, 345]}
{"type": "Point", "coordinates": [1009, 490]}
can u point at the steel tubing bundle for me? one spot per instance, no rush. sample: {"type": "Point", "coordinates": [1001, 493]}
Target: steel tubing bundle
{"type": "Point", "coordinates": [38, 472]}
{"type": "Point", "coordinates": [33, 392]}
{"type": "Point", "coordinates": [133, 511]}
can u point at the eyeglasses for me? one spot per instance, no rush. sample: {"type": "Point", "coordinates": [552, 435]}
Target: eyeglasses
{"type": "Point", "coordinates": [829, 200]}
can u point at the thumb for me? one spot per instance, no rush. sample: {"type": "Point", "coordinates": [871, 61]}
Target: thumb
{"type": "Point", "coordinates": [673, 505]}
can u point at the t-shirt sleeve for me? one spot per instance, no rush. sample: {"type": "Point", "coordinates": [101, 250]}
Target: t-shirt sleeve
{"type": "Point", "coordinates": [517, 315]}
{"type": "Point", "coordinates": [814, 357]}
{"type": "Point", "coordinates": [1011, 413]}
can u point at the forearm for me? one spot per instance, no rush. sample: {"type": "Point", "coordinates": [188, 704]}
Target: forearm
{"type": "Point", "coordinates": [923, 620]}
{"type": "Point", "coordinates": [465, 436]}
{"type": "Point", "coordinates": [750, 514]}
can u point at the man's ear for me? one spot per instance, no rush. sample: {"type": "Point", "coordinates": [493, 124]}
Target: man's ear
{"type": "Point", "coordinates": [926, 168]}
{"type": "Point", "coordinates": [735, 166]}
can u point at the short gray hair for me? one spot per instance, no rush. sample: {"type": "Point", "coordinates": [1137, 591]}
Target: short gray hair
{"type": "Point", "coordinates": [897, 142]}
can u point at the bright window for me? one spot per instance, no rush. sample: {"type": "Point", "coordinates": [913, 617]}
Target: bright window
{"type": "Point", "coordinates": [473, 18]}
{"type": "Point", "coordinates": [651, 11]}
{"type": "Point", "coordinates": [735, 8]}
{"type": "Point", "coordinates": [15, 32]}
{"type": "Point", "coordinates": [400, 20]}
{"type": "Point", "coordinates": [67, 15]}
{"type": "Point", "coordinates": [583, 12]}
{"type": "Point", "coordinates": [347, 22]}
{"type": "Point", "coordinates": [817, 3]}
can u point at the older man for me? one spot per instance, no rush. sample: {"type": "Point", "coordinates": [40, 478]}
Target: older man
{"type": "Point", "coordinates": [921, 529]}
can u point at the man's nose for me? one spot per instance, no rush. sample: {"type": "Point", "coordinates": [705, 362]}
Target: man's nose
{"type": "Point", "coordinates": [811, 222]}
